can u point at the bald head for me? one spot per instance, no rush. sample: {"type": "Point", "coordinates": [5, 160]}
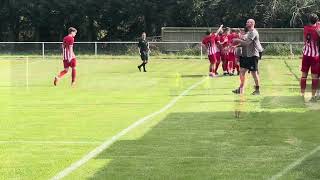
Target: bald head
{"type": "Point", "coordinates": [250, 23]}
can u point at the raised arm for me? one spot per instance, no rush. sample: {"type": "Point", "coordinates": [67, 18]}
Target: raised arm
{"type": "Point", "coordinates": [220, 28]}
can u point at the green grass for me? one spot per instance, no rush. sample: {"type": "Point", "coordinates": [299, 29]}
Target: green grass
{"type": "Point", "coordinates": [43, 129]}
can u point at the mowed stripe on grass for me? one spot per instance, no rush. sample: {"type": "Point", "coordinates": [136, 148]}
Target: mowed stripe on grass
{"type": "Point", "coordinates": [198, 138]}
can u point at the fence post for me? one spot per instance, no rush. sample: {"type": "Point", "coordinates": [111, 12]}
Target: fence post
{"type": "Point", "coordinates": [291, 52]}
{"type": "Point", "coordinates": [95, 48]}
{"type": "Point", "coordinates": [27, 72]}
{"type": "Point", "coordinates": [43, 50]}
{"type": "Point", "coordinates": [201, 52]}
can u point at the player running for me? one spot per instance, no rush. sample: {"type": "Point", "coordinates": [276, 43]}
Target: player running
{"type": "Point", "coordinates": [209, 42]}
{"type": "Point", "coordinates": [310, 56]}
{"type": "Point", "coordinates": [144, 51]}
{"type": "Point", "coordinates": [69, 58]}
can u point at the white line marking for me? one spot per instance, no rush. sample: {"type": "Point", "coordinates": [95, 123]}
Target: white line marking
{"type": "Point", "coordinates": [113, 139]}
{"type": "Point", "coordinates": [294, 164]}
{"type": "Point", "coordinates": [50, 142]}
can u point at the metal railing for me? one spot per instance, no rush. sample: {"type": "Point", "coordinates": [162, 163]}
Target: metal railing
{"type": "Point", "coordinates": [44, 49]}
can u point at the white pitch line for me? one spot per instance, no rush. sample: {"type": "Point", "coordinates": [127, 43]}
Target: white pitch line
{"type": "Point", "coordinates": [294, 164]}
{"type": "Point", "coordinates": [113, 139]}
{"type": "Point", "coordinates": [49, 142]}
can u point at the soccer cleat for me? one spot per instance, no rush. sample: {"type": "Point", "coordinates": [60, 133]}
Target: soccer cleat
{"type": "Point", "coordinates": [237, 91]}
{"type": "Point", "coordinates": [139, 67]}
{"type": "Point", "coordinates": [256, 92]}
{"type": "Point", "coordinates": [55, 82]}
{"type": "Point", "coordinates": [73, 84]}
{"type": "Point", "coordinates": [231, 74]}
{"type": "Point", "coordinates": [313, 99]}
{"type": "Point", "coordinates": [318, 98]}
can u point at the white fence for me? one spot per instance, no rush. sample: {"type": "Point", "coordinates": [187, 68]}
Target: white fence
{"type": "Point", "coordinates": [130, 48]}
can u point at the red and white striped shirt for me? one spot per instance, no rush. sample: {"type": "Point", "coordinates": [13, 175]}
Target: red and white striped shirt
{"type": "Point", "coordinates": [311, 41]}
{"type": "Point", "coordinates": [68, 42]}
{"type": "Point", "coordinates": [210, 43]}
{"type": "Point", "coordinates": [230, 42]}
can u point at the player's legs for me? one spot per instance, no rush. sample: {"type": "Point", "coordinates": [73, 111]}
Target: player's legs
{"type": "Point", "coordinates": [73, 65]}
{"type": "Point", "coordinates": [218, 56]}
{"type": "Point", "coordinates": [231, 60]}
{"type": "Point", "coordinates": [315, 82]}
{"type": "Point", "coordinates": [236, 65]}
{"type": "Point", "coordinates": [145, 65]}
{"type": "Point", "coordinates": [314, 75]}
{"type": "Point", "coordinates": [212, 61]}
{"type": "Point", "coordinates": [305, 66]}
{"type": "Point", "coordinates": [144, 58]}
{"type": "Point", "coordinates": [242, 78]}
{"type": "Point", "coordinates": [255, 74]}
{"type": "Point", "coordinates": [243, 70]}
{"type": "Point", "coordinates": [62, 73]}
{"type": "Point", "coordinates": [142, 64]}
{"type": "Point", "coordinates": [224, 63]}
{"type": "Point", "coordinates": [318, 90]}
{"type": "Point", "coordinates": [256, 78]}
{"type": "Point", "coordinates": [66, 66]}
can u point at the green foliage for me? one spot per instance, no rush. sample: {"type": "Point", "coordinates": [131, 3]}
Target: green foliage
{"type": "Point", "coordinates": [105, 20]}
{"type": "Point", "coordinates": [282, 49]}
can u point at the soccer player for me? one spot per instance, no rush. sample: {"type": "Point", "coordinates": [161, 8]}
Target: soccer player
{"type": "Point", "coordinates": [144, 51]}
{"type": "Point", "coordinates": [209, 42]}
{"type": "Point", "coordinates": [310, 56]}
{"type": "Point", "coordinates": [218, 54]}
{"type": "Point", "coordinates": [231, 55]}
{"type": "Point", "coordinates": [224, 50]}
{"type": "Point", "coordinates": [250, 56]}
{"type": "Point", "coordinates": [69, 58]}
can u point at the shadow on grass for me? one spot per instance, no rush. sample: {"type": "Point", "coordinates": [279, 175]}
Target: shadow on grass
{"type": "Point", "coordinates": [275, 102]}
{"type": "Point", "coordinates": [214, 145]}
{"type": "Point", "coordinates": [193, 76]}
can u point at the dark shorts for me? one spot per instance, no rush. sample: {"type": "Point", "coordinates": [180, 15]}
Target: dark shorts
{"type": "Point", "coordinates": [144, 56]}
{"type": "Point", "coordinates": [250, 63]}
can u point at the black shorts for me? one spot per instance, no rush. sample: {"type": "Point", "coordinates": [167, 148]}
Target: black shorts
{"type": "Point", "coordinates": [250, 63]}
{"type": "Point", "coordinates": [144, 56]}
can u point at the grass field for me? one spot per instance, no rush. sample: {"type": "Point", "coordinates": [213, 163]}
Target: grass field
{"type": "Point", "coordinates": [44, 129]}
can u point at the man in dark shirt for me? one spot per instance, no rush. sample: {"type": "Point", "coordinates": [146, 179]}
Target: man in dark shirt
{"type": "Point", "coordinates": [144, 51]}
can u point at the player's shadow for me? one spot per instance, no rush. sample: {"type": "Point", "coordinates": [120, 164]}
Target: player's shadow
{"type": "Point", "coordinates": [213, 145]}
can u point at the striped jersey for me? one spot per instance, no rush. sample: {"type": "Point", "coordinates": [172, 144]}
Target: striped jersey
{"type": "Point", "coordinates": [68, 42]}
{"type": "Point", "coordinates": [210, 43]}
{"type": "Point", "coordinates": [230, 42]}
{"type": "Point", "coordinates": [311, 41]}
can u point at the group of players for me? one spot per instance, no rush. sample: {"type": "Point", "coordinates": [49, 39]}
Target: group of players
{"type": "Point", "coordinates": [221, 49]}
{"type": "Point", "coordinates": [237, 50]}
